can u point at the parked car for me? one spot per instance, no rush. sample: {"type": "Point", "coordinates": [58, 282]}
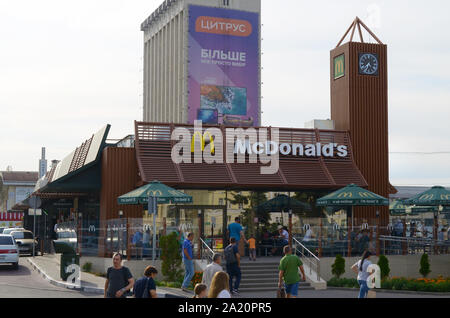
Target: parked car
{"type": "Point", "coordinates": [24, 240]}
{"type": "Point", "coordinates": [1, 230]}
{"type": "Point", "coordinates": [12, 229]}
{"type": "Point", "coordinates": [9, 252]}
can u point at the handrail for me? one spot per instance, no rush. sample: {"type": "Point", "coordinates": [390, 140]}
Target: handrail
{"type": "Point", "coordinates": [307, 257]}
{"type": "Point", "coordinates": [207, 249]}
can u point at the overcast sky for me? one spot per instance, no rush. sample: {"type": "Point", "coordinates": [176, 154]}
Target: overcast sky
{"type": "Point", "coordinates": [67, 68]}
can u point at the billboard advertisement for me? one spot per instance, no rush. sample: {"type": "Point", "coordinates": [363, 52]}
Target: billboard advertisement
{"type": "Point", "coordinates": [223, 66]}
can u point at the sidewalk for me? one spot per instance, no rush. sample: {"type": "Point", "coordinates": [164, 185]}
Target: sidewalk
{"type": "Point", "coordinates": [49, 268]}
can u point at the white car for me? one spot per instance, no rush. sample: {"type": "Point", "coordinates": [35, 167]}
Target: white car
{"type": "Point", "coordinates": [11, 229]}
{"type": "Point", "coordinates": [9, 252]}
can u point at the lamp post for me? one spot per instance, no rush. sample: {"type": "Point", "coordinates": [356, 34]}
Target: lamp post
{"type": "Point", "coordinates": [80, 225]}
{"type": "Point", "coordinates": [377, 215]}
{"type": "Point", "coordinates": [290, 229]}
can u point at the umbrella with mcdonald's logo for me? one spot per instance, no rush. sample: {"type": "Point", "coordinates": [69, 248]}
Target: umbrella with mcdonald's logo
{"type": "Point", "coordinates": [350, 196]}
{"type": "Point", "coordinates": [163, 193]}
{"type": "Point", "coordinates": [435, 196]}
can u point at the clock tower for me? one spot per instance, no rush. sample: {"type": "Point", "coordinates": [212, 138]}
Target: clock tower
{"type": "Point", "coordinates": [359, 104]}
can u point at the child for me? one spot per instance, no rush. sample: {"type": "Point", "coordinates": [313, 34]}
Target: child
{"type": "Point", "coordinates": [200, 291]}
{"type": "Point", "coordinates": [252, 248]}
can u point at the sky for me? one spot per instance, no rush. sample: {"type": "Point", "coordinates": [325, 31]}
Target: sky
{"type": "Point", "coordinates": [67, 68]}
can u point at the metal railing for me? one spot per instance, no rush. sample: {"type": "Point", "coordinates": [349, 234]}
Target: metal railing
{"type": "Point", "coordinates": [206, 251]}
{"type": "Point", "coordinates": [412, 245]}
{"type": "Point", "coordinates": [308, 256]}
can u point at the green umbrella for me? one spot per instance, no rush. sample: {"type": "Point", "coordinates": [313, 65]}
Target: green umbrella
{"type": "Point", "coordinates": [350, 196]}
{"type": "Point", "coordinates": [397, 208]}
{"type": "Point", "coordinates": [163, 193]}
{"type": "Point", "coordinates": [282, 203]}
{"type": "Point", "coordinates": [433, 197]}
{"type": "Point", "coordinates": [431, 200]}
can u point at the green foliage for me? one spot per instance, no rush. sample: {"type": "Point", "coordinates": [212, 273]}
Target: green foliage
{"type": "Point", "coordinates": [424, 265]}
{"type": "Point", "coordinates": [338, 267]}
{"type": "Point", "coordinates": [311, 198]}
{"type": "Point", "coordinates": [343, 282]}
{"type": "Point", "coordinates": [253, 200]}
{"type": "Point", "coordinates": [87, 267]}
{"type": "Point", "coordinates": [171, 257]}
{"type": "Point", "coordinates": [383, 263]}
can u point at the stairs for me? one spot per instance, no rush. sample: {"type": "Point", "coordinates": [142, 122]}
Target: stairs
{"type": "Point", "coordinates": [262, 276]}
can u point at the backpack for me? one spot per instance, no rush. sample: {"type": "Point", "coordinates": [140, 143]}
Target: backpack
{"type": "Point", "coordinates": [230, 256]}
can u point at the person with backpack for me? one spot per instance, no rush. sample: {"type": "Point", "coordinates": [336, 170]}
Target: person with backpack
{"type": "Point", "coordinates": [233, 265]}
{"type": "Point", "coordinates": [360, 268]}
{"type": "Point", "coordinates": [119, 280]}
{"type": "Point", "coordinates": [145, 287]}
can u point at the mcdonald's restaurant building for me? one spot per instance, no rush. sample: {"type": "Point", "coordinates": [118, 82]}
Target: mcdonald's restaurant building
{"type": "Point", "coordinates": [80, 192]}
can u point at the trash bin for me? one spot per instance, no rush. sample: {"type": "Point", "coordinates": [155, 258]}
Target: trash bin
{"type": "Point", "coordinates": [68, 257]}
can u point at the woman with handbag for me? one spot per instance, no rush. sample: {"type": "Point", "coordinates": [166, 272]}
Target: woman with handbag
{"type": "Point", "coordinates": [360, 268]}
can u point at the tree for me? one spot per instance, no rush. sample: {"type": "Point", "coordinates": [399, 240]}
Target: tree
{"type": "Point", "coordinates": [171, 257]}
{"type": "Point", "coordinates": [424, 265]}
{"type": "Point", "coordinates": [383, 263]}
{"type": "Point", "coordinates": [311, 198]}
{"type": "Point", "coordinates": [252, 200]}
{"type": "Point", "coordinates": [338, 267]}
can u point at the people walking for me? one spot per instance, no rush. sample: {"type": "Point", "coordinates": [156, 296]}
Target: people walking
{"type": "Point", "coordinates": [188, 259]}
{"type": "Point", "coordinates": [252, 248]}
{"type": "Point", "coordinates": [145, 287]}
{"type": "Point", "coordinates": [200, 291]}
{"type": "Point", "coordinates": [288, 272]}
{"type": "Point", "coordinates": [235, 230]}
{"type": "Point", "coordinates": [220, 287]}
{"type": "Point", "coordinates": [233, 264]}
{"type": "Point", "coordinates": [119, 280]}
{"type": "Point", "coordinates": [211, 270]}
{"type": "Point", "coordinates": [360, 268]}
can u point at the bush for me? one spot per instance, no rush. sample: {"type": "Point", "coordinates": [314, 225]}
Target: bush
{"type": "Point", "coordinates": [87, 267]}
{"type": "Point", "coordinates": [171, 257]}
{"type": "Point", "coordinates": [338, 267]}
{"type": "Point", "coordinates": [383, 263]}
{"type": "Point", "coordinates": [424, 266]}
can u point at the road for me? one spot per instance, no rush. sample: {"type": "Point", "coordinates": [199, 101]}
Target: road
{"type": "Point", "coordinates": [27, 283]}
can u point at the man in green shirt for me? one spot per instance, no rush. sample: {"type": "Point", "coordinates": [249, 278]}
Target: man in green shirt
{"type": "Point", "coordinates": [289, 266]}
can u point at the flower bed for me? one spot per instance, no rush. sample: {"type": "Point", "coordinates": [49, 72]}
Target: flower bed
{"type": "Point", "coordinates": [399, 283]}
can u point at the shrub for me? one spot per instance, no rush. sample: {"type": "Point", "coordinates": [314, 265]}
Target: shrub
{"type": "Point", "coordinates": [171, 257]}
{"type": "Point", "coordinates": [87, 267]}
{"type": "Point", "coordinates": [424, 265]}
{"type": "Point", "coordinates": [383, 263]}
{"type": "Point", "coordinates": [338, 267]}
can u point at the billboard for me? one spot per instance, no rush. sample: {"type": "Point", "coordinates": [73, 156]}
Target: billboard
{"type": "Point", "coordinates": [223, 71]}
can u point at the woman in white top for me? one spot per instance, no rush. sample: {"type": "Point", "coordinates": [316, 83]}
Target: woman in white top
{"type": "Point", "coordinates": [220, 286]}
{"type": "Point", "coordinates": [360, 267]}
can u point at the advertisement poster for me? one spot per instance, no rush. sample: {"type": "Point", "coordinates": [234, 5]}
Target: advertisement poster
{"type": "Point", "coordinates": [223, 67]}
{"type": "Point", "coordinates": [11, 219]}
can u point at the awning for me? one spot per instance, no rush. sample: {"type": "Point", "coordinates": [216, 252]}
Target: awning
{"type": "Point", "coordinates": [154, 146]}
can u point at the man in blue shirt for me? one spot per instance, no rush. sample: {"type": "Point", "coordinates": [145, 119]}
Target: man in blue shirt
{"type": "Point", "coordinates": [188, 259]}
{"type": "Point", "coordinates": [235, 230]}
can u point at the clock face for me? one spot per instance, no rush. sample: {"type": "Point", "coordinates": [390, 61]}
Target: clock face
{"type": "Point", "coordinates": [368, 64]}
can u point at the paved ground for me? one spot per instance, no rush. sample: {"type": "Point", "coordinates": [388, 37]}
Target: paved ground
{"type": "Point", "coordinates": [26, 283]}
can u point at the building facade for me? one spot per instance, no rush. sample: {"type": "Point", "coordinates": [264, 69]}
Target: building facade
{"type": "Point", "coordinates": [198, 62]}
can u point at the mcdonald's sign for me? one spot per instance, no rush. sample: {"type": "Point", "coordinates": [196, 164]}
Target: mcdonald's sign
{"type": "Point", "coordinates": [339, 66]}
{"type": "Point", "coordinates": [427, 197]}
{"type": "Point", "coordinates": [445, 196]}
{"type": "Point", "coordinates": [345, 195]}
{"type": "Point", "coordinates": [366, 195]}
{"type": "Point", "coordinates": [206, 139]}
{"type": "Point", "coordinates": [155, 193]}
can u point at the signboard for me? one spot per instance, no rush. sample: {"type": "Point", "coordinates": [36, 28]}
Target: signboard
{"type": "Point", "coordinates": [218, 244]}
{"type": "Point", "coordinates": [38, 212]}
{"type": "Point", "coordinates": [339, 66]}
{"type": "Point", "coordinates": [223, 66]}
{"type": "Point", "coordinates": [11, 219]}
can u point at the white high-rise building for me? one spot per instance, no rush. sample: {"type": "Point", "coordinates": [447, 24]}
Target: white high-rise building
{"type": "Point", "coordinates": [203, 63]}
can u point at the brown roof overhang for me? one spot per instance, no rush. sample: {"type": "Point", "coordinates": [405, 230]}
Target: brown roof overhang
{"type": "Point", "coordinates": [154, 146]}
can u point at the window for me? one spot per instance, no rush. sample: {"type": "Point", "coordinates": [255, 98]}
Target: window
{"type": "Point", "coordinates": [226, 3]}
{"type": "Point", "coordinates": [220, 201]}
{"type": "Point", "coordinates": [6, 240]}
{"type": "Point", "coordinates": [241, 205]}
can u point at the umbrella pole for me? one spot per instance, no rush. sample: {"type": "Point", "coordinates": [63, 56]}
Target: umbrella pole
{"type": "Point", "coordinates": [349, 230]}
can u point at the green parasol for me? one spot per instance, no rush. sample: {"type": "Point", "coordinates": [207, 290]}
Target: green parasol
{"type": "Point", "coordinates": [163, 193]}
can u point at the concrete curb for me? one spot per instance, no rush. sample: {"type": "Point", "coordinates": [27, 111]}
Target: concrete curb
{"type": "Point", "coordinates": [89, 290]}
{"type": "Point", "coordinates": [394, 291]}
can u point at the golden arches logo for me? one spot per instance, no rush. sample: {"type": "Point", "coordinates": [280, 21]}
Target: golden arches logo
{"type": "Point", "coordinates": [154, 193]}
{"type": "Point", "coordinates": [427, 197]}
{"type": "Point", "coordinates": [339, 66]}
{"type": "Point", "coordinates": [345, 195]}
{"type": "Point", "coordinates": [203, 141]}
{"type": "Point", "coordinates": [366, 195]}
{"type": "Point", "coordinates": [445, 196]}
